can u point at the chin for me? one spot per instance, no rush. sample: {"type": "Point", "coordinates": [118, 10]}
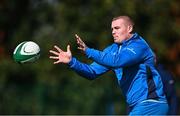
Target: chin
{"type": "Point", "coordinates": [117, 42]}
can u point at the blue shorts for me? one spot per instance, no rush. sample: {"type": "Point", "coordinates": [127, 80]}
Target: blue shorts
{"type": "Point", "coordinates": [150, 108]}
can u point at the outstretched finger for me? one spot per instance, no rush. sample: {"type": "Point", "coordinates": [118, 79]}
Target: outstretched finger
{"type": "Point", "coordinates": [78, 38]}
{"type": "Point", "coordinates": [57, 62]}
{"type": "Point", "coordinates": [80, 48]}
{"type": "Point", "coordinates": [54, 57]}
{"type": "Point", "coordinates": [53, 52]}
{"type": "Point", "coordinates": [81, 43]}
{"type": "Point", "coordinates": [57, 48]}
{"type": "Point", "coordinates": [68, 48]}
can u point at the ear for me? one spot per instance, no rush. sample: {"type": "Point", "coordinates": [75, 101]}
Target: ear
{"type": "Point", "coordinates": [130, 28]}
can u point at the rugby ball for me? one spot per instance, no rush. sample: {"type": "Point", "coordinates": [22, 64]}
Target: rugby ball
{"type": "Point", "coordinates": [27, 51]}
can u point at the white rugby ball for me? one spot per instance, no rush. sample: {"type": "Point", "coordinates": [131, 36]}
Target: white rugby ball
{"type": "Point", "coordinates": [27, 51]}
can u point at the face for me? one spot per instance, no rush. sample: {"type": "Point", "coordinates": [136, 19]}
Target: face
{"type": "Point", "coordinates": [120, 30]}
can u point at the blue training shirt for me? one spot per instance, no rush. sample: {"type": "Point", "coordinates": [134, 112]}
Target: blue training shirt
{"type": "Point", "coordinates": [129, 62]}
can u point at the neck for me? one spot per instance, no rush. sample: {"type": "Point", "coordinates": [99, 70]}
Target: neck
{"type": "Point", "coordinates": [130, 35]}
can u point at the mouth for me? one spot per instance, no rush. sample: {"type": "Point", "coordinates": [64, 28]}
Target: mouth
{"type": "Point", "coordinates": [115, 37]}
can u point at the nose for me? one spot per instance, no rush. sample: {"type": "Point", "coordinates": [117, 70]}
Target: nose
{"type": "Point", "coordinates": [113, 31]}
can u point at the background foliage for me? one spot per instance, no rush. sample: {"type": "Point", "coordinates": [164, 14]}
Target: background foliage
{"type": "Point", "coordinates": [44, 88]}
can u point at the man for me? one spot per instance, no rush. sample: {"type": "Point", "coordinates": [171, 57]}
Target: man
{"type": "Point", "coordinates": [132, 61]}
{"type": "Point", "coordinates": [169, 87]}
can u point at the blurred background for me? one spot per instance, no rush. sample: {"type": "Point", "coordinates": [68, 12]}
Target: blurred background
{"type": "Point", "coordinates": [44, 88]}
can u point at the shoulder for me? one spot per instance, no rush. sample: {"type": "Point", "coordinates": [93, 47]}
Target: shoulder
{"type": "Point", "coordinates": [138, 42]}
{"type": "Point", "coordinates": [138, 45]}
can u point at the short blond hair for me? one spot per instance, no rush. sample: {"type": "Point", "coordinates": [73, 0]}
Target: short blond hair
{"type": "Point", "coordinates": [126, 18]}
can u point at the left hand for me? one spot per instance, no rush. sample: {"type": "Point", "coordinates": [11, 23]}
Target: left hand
{"type": "Point", "coordinates": [81, 45]}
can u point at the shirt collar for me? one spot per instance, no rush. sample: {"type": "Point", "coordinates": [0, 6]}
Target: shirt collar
{"type": "Point", "coordinates": [128, 40]}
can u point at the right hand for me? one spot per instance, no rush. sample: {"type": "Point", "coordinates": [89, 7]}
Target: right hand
{"type": "Point", "coordinates": [61, 56]}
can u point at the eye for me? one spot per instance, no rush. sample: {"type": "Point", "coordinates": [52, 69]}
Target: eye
{"type": "Point", "coordinates": [117, 27]}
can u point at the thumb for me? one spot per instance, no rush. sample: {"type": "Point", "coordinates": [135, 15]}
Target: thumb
{"type": "Point", "coordinates": [68, 48]}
